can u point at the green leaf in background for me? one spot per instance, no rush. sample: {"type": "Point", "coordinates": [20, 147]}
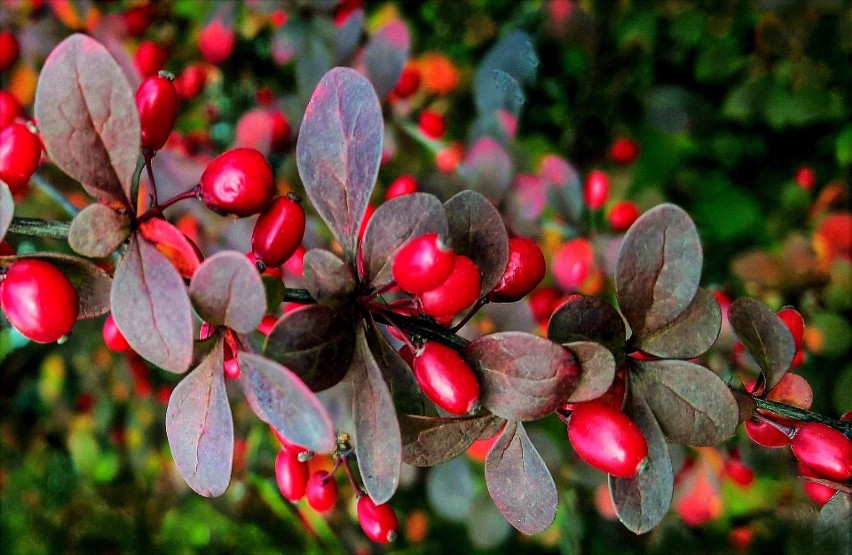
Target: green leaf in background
{"type": "Point", "coordinates": [724, 212]}
{"type": "Point", "coordinates": [844, 147]}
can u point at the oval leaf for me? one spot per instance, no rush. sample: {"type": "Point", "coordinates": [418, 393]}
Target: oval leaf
{"type": "Point", "coordinates": [378, 445]}
{"type": "Point", "coordinates": [98, 230]}
{"type": "Point", "coordinates": [7, 209]}
{"type": "Point", "coordinates": [431, 440]}
{"type": "Point", "coordinates": [589, 319]}
{"type": "Point", "coordinates": [487, 169]}
{"type": "Point", "coordinates": [477, 231]}
{"type": "Point", "coordinates": [227, 291]}
{"type": "Point", "coordinates": [658, 268]}
{"type": "Point", "coordinates": [689, 335]}
{"type": "Point", "coordinates": [765, 336]}
{"type": "Point", "coordinates": [394, 224]}
{"type": "Point", "coordinates": [406, 393]}
{"type": "Point", "coordinates": [641, 502]}
{"type": "Point", "coordinates": [519, 482]}
{"type": "Point", "coordinates": [597, 370]}
{"type": "Point", "coordinates": [338, 151]}
{"type": "Point", "coordinates": [328, 279]}
{"type": "Point", "coordinates": [315, 342]}
{"type": "Point", "coordinates": [87, 118]}
{"type": "Point", "coordinates": [174, 245]}
{"type": "Point", "coordinates": [513, 55]}
{"type": "Point", "coordinates": [282, 400]}
{"type": "Point", "coordinates": [833, 528]}
{"type": "Point", "coordinates": [692, 404]}
{"type": "Point", "coordinates": [200, 427]}
{"type": "Point", "coordinates": [151, 307]}
{"type": "Point", "coordinates": [522, 376]}
{"type": "Point", "coordinates": [385, 55]}
{"type": "Point", "coordinates": [347, 35]}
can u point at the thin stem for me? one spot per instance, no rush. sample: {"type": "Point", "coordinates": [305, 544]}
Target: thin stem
{"type": "Point", "coordinates": [351, 477]}
{"type": "Point", "coordinates": [828, 483]}
{"type": "Point", "coordinates": [301, 296]}
{"type": "Point", "coordinates": [470, 314]}
{"type": "Point", "coordinates": [149, 155]}
{"type": "Point", "coordinates": [55, 195]}
{"type": "Point", "coordinates": [40, 228]}
{"type": "Point", "coordinates": [802, 415]}
{"type": "Point", "coordinates": [158, 210]}
{"type": "Point", "coordinates": [420, 326]}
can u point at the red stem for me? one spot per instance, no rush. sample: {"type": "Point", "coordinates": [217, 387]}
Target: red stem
{"type": "Point", "coordinates": [149, 155]}
{"type": "Point", "coordinates": [158, 210]}
{"type": "Point", "coordinates": [352, 481]}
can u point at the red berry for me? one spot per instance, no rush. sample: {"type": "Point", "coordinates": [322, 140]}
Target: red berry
{"type": "Point", "coordinates": [574, 263]}
{"type": "Point", "coordinates": [543, 301]}
{"type": "Point", "coordinates": [379, 522]}
{"type": "Point", "coordinates": [607, 439]}
{"type": "Point", "coordinates": [191, 81]}
{"type": "Point", "coordinates": [458, 292]}
{"type": "Point", "coordinates": [805, 177]}
{"type": "Point", "coordinates": [795, 323]}
{"type": "Point", "coordinates": [766, 434]}
{"type": "Point", "coordinates": [446, 378]}
{"type": "Point", "coordinates": [137, 19]}
{"type": "Point", "coordinates": [216, 42]}
{"type": "Point", "coordinates": [238, 182]}
{"type": "Point", "coordinates": [291, 474]}
{"type": "Point", "coordinates": [423, 263]}
{"type": "Point", "coordinates": [6, 249]}
{"type": "Point", "coordinates": [824, 450]}
{"type": "Point", "coordinates": [150, 58]}
{"type": "Point", "coordinates": [10, 108]}
{"type": "Point", "coordinates": [321, 491]}
{"type": "Point", "coordinates": [432, 124]}
{"type": "Point", "coordinates": [279, 231]}
{"type": "Point", "coordinates": [819, 493]}
{"type": "Point", "coordinates": [624, 150]}
{"type": "Point", "coordinates": [157, 102]}
{"type": "Point", "coordinates": [232, 368]}
{"type": "Point", "coordinates": [39, 300]}
{"type": "Point", "coordinates": [280, 130]}
{"type": "Point", "coordinates": [622, 215]}
{"type": "Point", "coordinates": [401, 186]}
{"type": "Point", "coordinates": [20, 152]}
{"type": "Point", "coordinates": [267, 324]}
{"type": "Point", "coordinates": [737, 470]}
{"type": "Point", "coordinates": [596, 189]}
{"type": "Point", "coordinates": [524, 271]}
{"type": "Point", "coordinates": [409, 82]}
{"type": "Point", "coordinates": [9, 50]}
{"type": "Point", "coordinates": [368, 214]}
{"type": "Point", "coordinates": [295, 264]}
{"type": "Point", "coordinates": [113, 336]}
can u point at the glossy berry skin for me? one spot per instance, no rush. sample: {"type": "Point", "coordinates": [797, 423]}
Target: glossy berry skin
{"type": "Point", "coordinates": [432, 124]}
{"type": "Point", "coordinates": [10, 108]}
{"type": "Point", "coordinates": [824, 450]}
{"type": "Point", "coordinates": [321, 491]}
{"type": "Point", "coordinates": [624, 150]}
{"type": "Point", "coordinates": [157, 102]}
{"type": "Point", "coordinates": [9, 50]}
{"type": "Point", "coordinates": [458, 292]}
{"type": "Point", "coordinates": [765, 434]}
{"type": "Point", "coordinates": [150, 58]}
{"type": "Point", "coordinates": [596, 189]}
{"type": "Point", "coordinates": [523, 273]}
{"type": "Point", "coordinates": [291, 475]}
{"type": "Point", "coordinates": [113, 336]}
{"type": "Point", "coordinates": [278, 232]}
{"type": "Point", "coordinates": [819, 493]}
{"type": "Point", "coordinates": [39, 300]}
{"type": "Point", "coordinates": [622, 215]}
{"type": "Point", "coordinates": [379, 522]}
{"type": "Point", "coordinates": [607, 439]}
{"type": "Point", "coordinates": [423, 263]}
{"type": "Point", "coordinates": [795, 323]}
{"type": "Point", "coordinates": [20, 152]}
{"type": "Point", "coordinates": [238, 182]}
{"type": "Point", "coordinates": [401, 186]}
{"type": "Point", "coordinates": [446, 378]}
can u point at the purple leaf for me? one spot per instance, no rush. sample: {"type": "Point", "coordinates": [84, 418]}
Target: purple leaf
{"type": "Point", "coordinates": [597, 370]}
{"type": "Point", "coordinates": [87, 118]}
{"type": "Point", "coordinates": [151, 307]}
{"type": "Point", "coordinates": [565, 191]}
{"type": "Point", "coordinates": [378, 445]}
{"type": "Point", "coordinates": [689, 335]}
{"type": "Point", "coordinates": [692, 404]}
{"type": "Point", "coordinates": [519, 482]}
{"type": "Point", "coordinates": [589, 319]}
{"type": "Point", "coordinates": [338, 151]}
{"type": "Point", "coordinates": [641, 502]}
{"type": "Point", "coordinates": [315, 342]}
{"type": "Point", "coordinates": [98, 230]}
{"type": "Point", "coordinates": [346, 36]}
{"type": "Point", "coordinates": [328, 279]}
{"type": "Point", "coordinates": [200, 427]}
{"type": "Point", "coordinates": [514, 56]}
{"type": "Point", "coordinates": [658, 269]}
{"type": "Point", "coordinates": [406, 393]}
{"type": "Point", "coordinates": [522, 376]}
{"type": "Point", "coordinates": [431, 440]}
{"type": "Point", "coordinates": [226, 290]}
{"type": "Point", "coordinates": [765, 336]}
{"type": "Point", "coordinates": [385, 56]}
{"type": "Point", "coordinates": [281, 399]}
{"type": "Point", "coordinates": [394, 224]}
{"type": "Point", "coordinates": [7, 209]}
{"type": "Point", "coordinates": [477, 231]}
{"type": "Point", "coordinates": [487, 169]}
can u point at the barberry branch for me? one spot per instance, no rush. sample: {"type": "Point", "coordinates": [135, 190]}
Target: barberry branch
{"type": "Point", "coordinates": [37, 227]}
{"type": "Point", "coordinates": [157, 210]}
